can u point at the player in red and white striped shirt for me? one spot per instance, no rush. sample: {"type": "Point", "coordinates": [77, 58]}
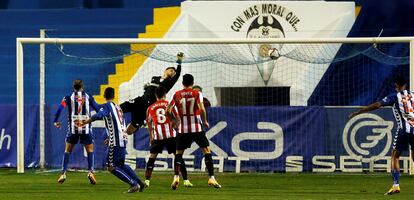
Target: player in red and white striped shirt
{"type": "Point", "coordinates": [191, 112]}
{"type": "Point", "coordinates": [162, 133]}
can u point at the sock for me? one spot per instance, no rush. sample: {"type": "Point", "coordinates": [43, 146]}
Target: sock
{"type": "Point", "coordinates": [91, 161]}
{"type": "Point", "coordinates": [208, 159]}
{"type": "Point", "coordinates": [121, 174]}
{"type": "Point", "coordinates": [177, 163]}
{"type": "Point", "coordinates": [395, 177]}
{"type": "Point", "coordinates": [183, 170]}
{"type": "Point", "coordinates": [65, 163]}
{"type": "Point", "coordinates": [150, 167]}
{"type": "Point", "coordinates": [127, 169]}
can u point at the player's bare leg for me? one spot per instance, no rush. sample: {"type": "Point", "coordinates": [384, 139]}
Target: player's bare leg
{"type": "Point", "coordinates": [177, 166]}
{"type": "Point", "coordinates": [208, 159]}
{"type": "Point", "coordinates": [91, 176]}
{"type": "Point", "coordinates": [131, 129]}
{"type": "Point", "coordinates": [395, 171]}
{"type": "Point", "coordinates": [68, 151]}
{"type": "Point", "coordinates": [149, 168]}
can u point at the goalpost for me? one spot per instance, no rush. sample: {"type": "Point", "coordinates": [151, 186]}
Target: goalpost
{"type": "Point", "coordinates": [199, 41]}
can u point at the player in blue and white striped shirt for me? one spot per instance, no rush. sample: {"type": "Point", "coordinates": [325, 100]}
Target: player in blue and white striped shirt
{"type": "Point", "coordinates": [402, 103]}
{"type": "Point", "coordinates": [79, 105]}
{"type": "Point", "coordinates": [115, 129]}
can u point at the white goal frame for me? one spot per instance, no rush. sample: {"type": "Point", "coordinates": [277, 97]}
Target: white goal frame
{"type": "Point", "coordinates": [42, 41]}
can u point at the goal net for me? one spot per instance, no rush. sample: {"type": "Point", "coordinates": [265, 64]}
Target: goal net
{"type": "Point", "coordinates": [275, 105]}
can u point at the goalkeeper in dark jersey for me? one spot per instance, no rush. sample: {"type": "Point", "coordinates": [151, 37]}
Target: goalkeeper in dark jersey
{"type": "Point", "coordinates": [138, 106]}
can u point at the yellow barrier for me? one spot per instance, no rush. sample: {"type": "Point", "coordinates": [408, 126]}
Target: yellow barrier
{"type": "Point", "coordinates": [163, 19]}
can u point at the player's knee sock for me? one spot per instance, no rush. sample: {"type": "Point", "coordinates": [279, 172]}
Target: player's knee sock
{"type": "Point", "coordinates": [122, 175]}
{"type": "Point", "coordinates": [208, 159]}
{"type": "Point", "coordinates": [65, 162]}
{"type": "Point", "coordinates": [177, 163]}
{"type": "Point", "coordinates": [183, 170]}
{"type": "Point", "coordinates": [395, 177]}
{"type": "Point", "coordinates": [150, 167]}
{"type": "Point", "coordinates": [131, 173]}
{"type": "Point", "coordinates": [91, 160]}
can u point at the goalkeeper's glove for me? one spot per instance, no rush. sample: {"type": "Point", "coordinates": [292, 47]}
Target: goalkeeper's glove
{"type": "Point", "coordinates": [180, 57]}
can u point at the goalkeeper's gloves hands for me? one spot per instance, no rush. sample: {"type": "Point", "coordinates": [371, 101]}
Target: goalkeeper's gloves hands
{"type": "Point", "coordinates": [180, 57]}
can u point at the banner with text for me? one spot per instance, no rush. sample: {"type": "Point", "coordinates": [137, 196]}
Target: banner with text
{"type": "Point", "coordinates": [291, 139]}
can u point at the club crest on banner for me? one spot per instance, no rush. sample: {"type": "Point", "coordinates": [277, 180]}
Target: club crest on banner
{"type": "Point", "coordinates": [365, 133]}
{"type": "Point", "coordinates": [266, 21]}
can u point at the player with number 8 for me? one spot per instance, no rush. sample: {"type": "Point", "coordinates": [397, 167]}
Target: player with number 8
{"type": "Point", "coordinates": [162, 134]}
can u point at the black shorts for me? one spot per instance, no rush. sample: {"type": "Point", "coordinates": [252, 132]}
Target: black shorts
{"type": "Point", "coordinates": [158, 145]}
{"type": "Point", "coordinates": [85, 139]}
{"type": "Point", "coordinates": [138, 109]}
{"type": "Point", "coordinates": [402, 139]}
{"type": "Point", "coordinates": [184, 140]}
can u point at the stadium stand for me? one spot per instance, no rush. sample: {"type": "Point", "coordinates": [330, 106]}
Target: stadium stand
{"type": "Point", "coordinates": [23, 18]}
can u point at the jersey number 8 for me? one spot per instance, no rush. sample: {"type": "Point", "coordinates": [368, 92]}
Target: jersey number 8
{"type": "Point", "coordinates": [161, 118]}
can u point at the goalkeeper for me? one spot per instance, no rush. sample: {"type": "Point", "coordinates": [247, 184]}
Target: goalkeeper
{"type": "Point", "coordinates": [138, 106]}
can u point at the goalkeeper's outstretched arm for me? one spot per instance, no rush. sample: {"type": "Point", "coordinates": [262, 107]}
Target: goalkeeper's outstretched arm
{"type": "Point", "coordinates": [170, 82]}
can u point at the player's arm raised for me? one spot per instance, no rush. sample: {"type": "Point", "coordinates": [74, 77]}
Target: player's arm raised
{"type": "Point", "coordinates": [169, 83]}
{"type": "Point", "coordinates": [180, 57]}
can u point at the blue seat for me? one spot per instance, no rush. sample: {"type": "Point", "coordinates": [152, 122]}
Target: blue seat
{"type": "Point", "coordinates": [66, 23]}
{"type": "Point", "coordinates": [75, 17]}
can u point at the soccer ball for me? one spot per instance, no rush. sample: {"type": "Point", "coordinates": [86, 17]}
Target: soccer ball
{"type": "Point", "coordinates": [273, 53]}
{"type": "Point", "coordinates": [266, 51]}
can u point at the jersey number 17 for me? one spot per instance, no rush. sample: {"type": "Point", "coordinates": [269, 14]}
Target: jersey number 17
{"type": "Point", "coordinates": [190, 104]}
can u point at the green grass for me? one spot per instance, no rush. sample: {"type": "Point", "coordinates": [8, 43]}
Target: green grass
{"type": "Point", "coordinates": [32, 186]}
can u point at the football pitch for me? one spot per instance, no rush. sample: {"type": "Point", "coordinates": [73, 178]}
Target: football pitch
{"type": "Point", "coordinates": [34, 185]}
